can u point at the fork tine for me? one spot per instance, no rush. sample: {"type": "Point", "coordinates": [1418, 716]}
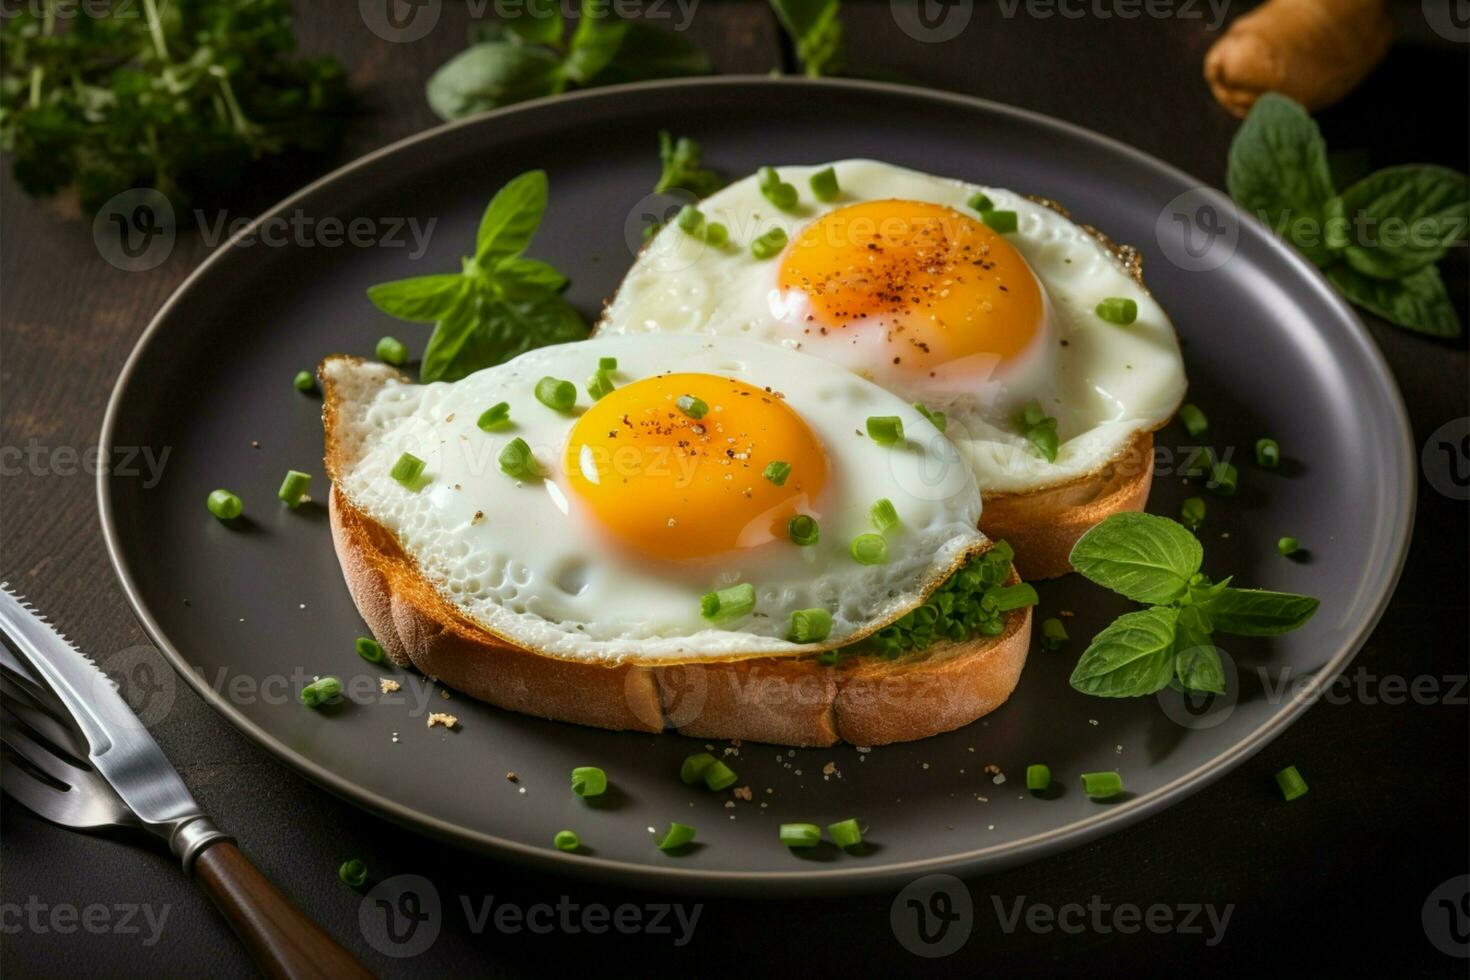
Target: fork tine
{"type": "Point", "coordinates": [42, 727]}
{"type": "Point", "coordinates": [14, 667]}
{"type": "Point", "coordinates": [18, 737]}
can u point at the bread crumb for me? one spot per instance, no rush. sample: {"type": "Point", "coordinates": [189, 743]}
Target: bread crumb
{"type": "Point", "coordinates": [441, 718]}
{"type": "Point", "coordinates": [998, 778]}
{"type": "Point", "coordinates": [1066, 612]}
{"type": "Point", "coordinates": [729, 804]}
{"type": "Point", "coordinates": [444, 694]}
{"type": "Point", "coordinates": [512, 777]}
{"type": "Point", "coordinates": [479, 516]}
{"type": "Point", "coordinates": [829, 769]}
{"type": "Point", "coordinates": [1092, 721]}
{"type": "Point", "coordinates": [388, 685]}
{"type": "Point", "coordinates": [742, 792]}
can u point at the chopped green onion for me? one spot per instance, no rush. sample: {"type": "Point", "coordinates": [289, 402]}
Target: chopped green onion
{"type": "Point", "coordinates": [607, 364]}
{"type": "Point", "coordinates": [885, 430]}
{"type": "Point", "coordinates": [727, 604]}
{"type": "Point", "coordinates": [589, 781]}
{"type": "Point", "coordinates": [846, 833]}
{"type": "Point", "coordinates": [800, 834]}
{"type": "Point", "coordinates": [599, 385]}
{"type": "Point", "coordinates": [692, 770]}
{"type": "Point", "coordinates": [716, 234]}
{"type": "Point", "coordinates": [777, 471]}
{"type": "Point", "coordinates": [1199, 460]}
{"type": "Point", "coordinates": [224, 505]}
{"type": "Point", "coordinates": [936, 419]}
{"type": "Point", "coordinates": [1001, 222]}
{"type": "Point", "coordinates": [810, 625]}
{"type": "Point", "coordinates": [390, 350]}
{"type": "Point", "coordinates": [718, 776]}
{"type": "Point", "coordinates": [691, 406]}
{"type": "Point", "coordinates": [1288, 546]}
{"type": "Point", "coordinates": [556, 394]}
{"type": "Point", "coordinates": [1053, 634]}
{"type": "Point", "coordinates": [516, 460]}
{"type": "Point", "coordinates": [883, 514]}
{"type": "Point", "coordinates": [369, 649]}
{"type": "Point", "coordinates": [824, 185]}
{"type": "Point", "coordinates": [1102, 785]}
{"type": "Point", "coordinates": [1117, 310]}
{"type": "Point", "coordinates": [1222, 479]}
{"type": "Point", "coordinates": [690, 220]}
{"type": "Point", "coordinates": [869, 549]}
{"type": "Point", "coordinates": [566, 840]}
{"type": "Point", "coordinates": [1194, 420]}
{"type": "Point", "coordinates": [293, 488]}
{"type": "Point", "coordinates": [980, 203]}
{"type": "Point", "coordinates": [769, 245]}
{"type": "Point", "coordinates": [320, 691]}
{"type": "Point", "coordinates": [495, 417]}
{"type": "Point", "coordinates": [1038, 778]}
{"type": "Point", "coordinates": [803, 530]}
{"type": "Point", "coordinates": [1192, 512]}
{"type": "Point", "coordinates": [407, 470]}
{"type": "Point", "coordinates": [304, 381]}
{"type": "Point", "coordinates": [1291, 782]}
{"type": "Point", "coordinates": [1039, 429]}
{"type": "Point", "coordinates": [679, 835]}
{"type": "Point", "coordinates": [1268, 453]}
{"type": "Point", "coordinates": [353, 873]}
{"type": "Point", "coordinates": [780, 194]}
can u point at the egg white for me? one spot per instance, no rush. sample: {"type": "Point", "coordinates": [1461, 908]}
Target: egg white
{"type": "Point", "coordinates": [1102, 382]}
{"type": "Point", "coordinates": [534, 568]}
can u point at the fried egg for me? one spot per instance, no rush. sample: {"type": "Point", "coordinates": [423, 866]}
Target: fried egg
{"type": "Point", "coordinates": [681, 481]}
{"type": "Point", "coordinates": [900, 279]}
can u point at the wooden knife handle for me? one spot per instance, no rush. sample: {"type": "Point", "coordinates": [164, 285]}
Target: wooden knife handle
{"type": "Point", "coordinates": [284, 942]}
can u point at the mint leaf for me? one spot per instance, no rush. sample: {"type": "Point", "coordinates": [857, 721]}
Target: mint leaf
{"type": "Point", "coordinates": [1008, 597]}
{"type": "Point", "coordinates": [1418, 301]}
{"type": "Point", "coordinates": [1196, 661]}
{"type": "Point", "coordinates": [1257, 612]}
{"type": "Point", "coordinates": [683, 167]}
{"type": "Point", "coordinates": [1278, 171]}
{"type": "Point", "coordinates": [490, 75]}
{"type": "Point", "coordinates": [1133, 656]}
{"type": "Point", "coordinates": [521, 278]}
{"type": "Point", "coordinates": [422, 299]}
{"type": "Point", "coordinates": [1402, 219]}
{"type": "Point", "coordinates": [1146, 558]}
{"type": "Point", "coordinates": [648, 52]}
{"type": "Point", "coordinates": [814, 27]}
{"type": "Point", "coordinates": [491, 331]}
{"type": "Point", "coordinates": [595, 42]}
{"type": "Point", "coordinates": [511, 218]}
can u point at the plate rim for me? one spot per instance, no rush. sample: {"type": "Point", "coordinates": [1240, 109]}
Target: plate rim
{"type": "Point", "coordinates": [812, 881]}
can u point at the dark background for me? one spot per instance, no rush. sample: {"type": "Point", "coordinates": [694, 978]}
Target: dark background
{"type": "Point", "coordinates": [1332, 882]}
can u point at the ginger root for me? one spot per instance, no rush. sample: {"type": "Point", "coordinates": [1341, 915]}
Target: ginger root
{"type": "Point", "coordinates": [1315, 51]}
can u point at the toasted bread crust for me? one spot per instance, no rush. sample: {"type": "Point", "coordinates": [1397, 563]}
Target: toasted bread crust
{"type": "Point", "coordinates": [1043, 525]}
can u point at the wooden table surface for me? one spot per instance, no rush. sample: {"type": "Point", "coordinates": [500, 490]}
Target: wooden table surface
{"type": "Point", "coordinates": [1335, 880]}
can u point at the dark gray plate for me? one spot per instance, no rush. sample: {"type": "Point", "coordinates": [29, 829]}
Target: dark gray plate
{"type": "Point", "coordinates": [1270, 350]}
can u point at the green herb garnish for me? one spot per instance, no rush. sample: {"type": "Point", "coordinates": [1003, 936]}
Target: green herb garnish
{"type": "Point", "coordinates": [816, 31]}
{"type": "Point", "coordinates": [353, 873]}
{"type": "Point", "coordinates": [683, 168]}
{"type": "Point", "coordinates": [1291, 783]}
{"type": "Point", "coordinates": [1038, 427]}
{"type": "Point", "coordinates": [589, 781]}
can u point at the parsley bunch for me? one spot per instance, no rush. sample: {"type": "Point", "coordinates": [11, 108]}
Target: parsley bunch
{"type": "Point", "coordinates": [180, 95]}
{"type": "Point", "coordinates": [1154, 561]}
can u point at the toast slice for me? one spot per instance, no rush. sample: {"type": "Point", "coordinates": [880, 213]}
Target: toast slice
{"type": "Point", "coordinates": [801, 701]}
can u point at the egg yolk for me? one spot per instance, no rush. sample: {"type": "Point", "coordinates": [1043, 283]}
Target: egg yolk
{"type": "Point", "coordinates": [687, 482]}
{"type": "Point", "coordinates": [942, 285]}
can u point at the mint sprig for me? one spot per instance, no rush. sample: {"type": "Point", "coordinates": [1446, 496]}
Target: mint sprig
{"type": "Point", "coordinates": [1377, 241]}
{"type": "Point", "coordinates": [1155, 561]}
{"type": "Point", "coordinates": [500, 304]}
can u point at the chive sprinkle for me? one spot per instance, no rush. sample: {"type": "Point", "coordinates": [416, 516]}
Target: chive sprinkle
{"type": "Point", "coordinates": [320, 691]}
{"type": "Point", "coordinates": [980, 203]}
{"type": "Point", "coordinates": [390, 350]}
{"type": "Point", "coordinates": [718, 776]}
{"type": "Point", "coordinates": [800, 834]}
{"type": "Point", "coordinates": [781, 194]}
{"type": "Point", "coordinates": [407, 470]}
{"type": "Point", "coordinates": [869, 549]}
{"type": "Point", "coordinates": [353, 873]}
{"type": "Point", "coordinates": [599, 385]}
{"type": "Point", "coordinates": [369, 649]}
{"type": "Point", "coordinates": [1053, 634]}
{"type": "Point", "coordinates": [690, 221]}
{"type": "Point", "coordinates": [303, 381]}
{"type": "Point", "coordinates": [1291, 782]}
{"type": "Point", "coordinates": [679, 835]}
{"type": "Point", "coordinates": [1038, 778]}
{"type": "Point", "coordinates": [566, 840]}
{"type": "Point", "coordinates": [936, 419]}
{"type": "Point", "coordinates": [1223, 478]}
{"type": "Point", "coordinates": [517, 460]}
{"type": "Point", "coordinates": [691, 406]}
{"type": "Point", "coordinates": [777, 471]}
{"type": "Point", "coordinates": [692, 769]}
{"type": "Point", "coordinates": [224, 505]}
{"type": "Point", "coordinates": [716, 234]}
{"type": "Point", "coordinates": [883, 514]}
{"type": "Point", "coordinates": [495, 417]}
{"type": "Point", "coordinates": [810, 626]}
{"type": "Point", "coordinates": [727, 604]}
{"type": "Point", "coordinates": [1194, 420]}
{"type": "Point", "coordinates": [293, 488]}
{"type": "Point", "coordinates": [556, 394]}
{"type": "Point", "coordinates": [803, 530]}
{"type": "Point", "coordinates": [1001, 222]}
{"type": "Point", "coordinates": [1288, 546]}
{"type": "Point", "coordinates": [824, 185]}
{"type": "Point", "coordinates": [885, 430]}
{"type": "Point", "coordinates": [769, 245]}
{"type": "Point", "coordinates": [1192, 512]}
{"type": "Point", "coordinates": [1117, 310]}
{"type": "Point", "coordinates": [589, 781]}
{"type": "Point", "coordinates": [846, 833]}
{"type": "Point", "coordinates": [1102, 785]}
{"type": "Point", "coordinates": [607, 364]}
{"type": "Point", "coordinates": [1268, 453]}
